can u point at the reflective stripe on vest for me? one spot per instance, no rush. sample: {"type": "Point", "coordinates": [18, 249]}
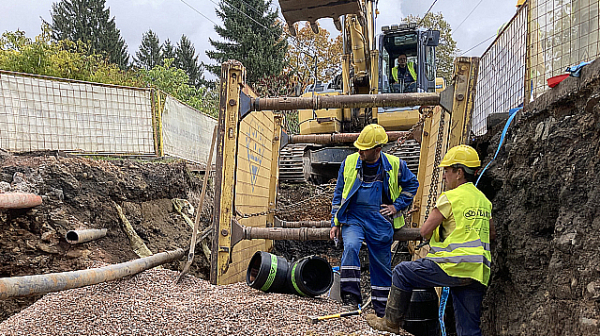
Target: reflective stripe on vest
{"type": "Point", "coordinates": [465, 253]}
{"type": "Point", "coordinates": [411, 70]}
{"type": "Point", "coordinates": [350, 174]}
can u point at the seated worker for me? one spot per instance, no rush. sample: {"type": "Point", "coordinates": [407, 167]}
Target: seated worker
{"type": "Point", "coordinates": [405, 73]}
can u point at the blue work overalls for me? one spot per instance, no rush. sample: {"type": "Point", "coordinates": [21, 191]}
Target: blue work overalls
{"type": "Point", "coordinates": [365, 223]}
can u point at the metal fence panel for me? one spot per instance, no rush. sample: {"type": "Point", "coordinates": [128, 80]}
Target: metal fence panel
{"type": "Point", "coordinates": [502, 73]}
{"type": "Point", "coordinates": [186, 132]}
{"type": "Point", "coordinates": [38, 113]}
{"type": "Point", "coordinates": [562, 33]}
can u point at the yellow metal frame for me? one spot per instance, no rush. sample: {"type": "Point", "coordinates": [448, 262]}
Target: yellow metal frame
{"type": "Point", "coordinates": [247, 175]}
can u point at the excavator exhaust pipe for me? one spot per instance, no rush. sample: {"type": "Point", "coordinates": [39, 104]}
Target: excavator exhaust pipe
{"type": "Point", "coordinates": [19, 201]}
{"type": "Point", "coordinates": [46, 283]}
{"type": "Point", "coordinates": [84, 236]}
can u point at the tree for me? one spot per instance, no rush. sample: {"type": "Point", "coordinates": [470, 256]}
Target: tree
{"type": "Point", "coordinates": [308, 50]}
{"type": "Point", "coordinates": [187, 60]}
{"type": "Point", "coordinates": [168, 51]}
{"type": "Point", "coordinates": [174, 81]}
{"type": "Point", "coordinates": [447, 50]}
{"type": "Point", "coordinates": [149, 54]}
{"type": "Point", "coordinates": [252, 35]}
{"type": "Point", "coordinates": [88, 21]}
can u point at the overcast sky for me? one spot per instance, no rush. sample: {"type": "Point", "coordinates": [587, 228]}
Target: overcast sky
{"type": "Point", "coordinates": [172, 18]}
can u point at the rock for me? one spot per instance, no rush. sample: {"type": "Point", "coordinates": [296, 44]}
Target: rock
{"type": "Point", "coordinates": [48, 248]}
{"type": "Point", "coordinates": [73, 254]}
{"type": "Point", "coordinates": [593, 290]}
{"type": "Point", "coordinates": [49, 236]}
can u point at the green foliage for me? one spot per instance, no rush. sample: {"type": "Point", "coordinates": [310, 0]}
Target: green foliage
{"type": "Point", "coordinates": [447, 50]}
{"type": "Point", "coordinates": [168, 51]}
{"type": "Point", "coordinates": [277, 86]}
{"type": "Point", "coordinates": [88, 21]}
{"type": "Point", "coordinates": [149, 54]}
{"type": "Point", "coordinates": [187, 60]}
{"type": "Point", "coordinates": [254, 38]}
{"type": "Point", "coordinates": [174, 81]}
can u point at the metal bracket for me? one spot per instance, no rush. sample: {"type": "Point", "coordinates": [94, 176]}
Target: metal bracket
{"type": "Point", "coordinates": [245, 105]}
{"type": "Point", "coordinates": [284, 140]}
{"type": "Point", "coordinates": [447, 98]}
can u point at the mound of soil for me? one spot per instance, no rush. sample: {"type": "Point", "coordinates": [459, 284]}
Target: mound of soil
{"type": "Point", "coordinates": [545, 189]}
{"type": "Point", "coordinates": [80, 193]}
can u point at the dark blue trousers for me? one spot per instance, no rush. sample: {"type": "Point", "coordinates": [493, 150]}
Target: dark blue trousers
{"type": "Point", "coordinates": [467, 294]}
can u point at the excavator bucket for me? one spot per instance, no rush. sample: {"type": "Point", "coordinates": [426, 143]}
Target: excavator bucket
{"type": "Point", "coordinates": [312, 10]}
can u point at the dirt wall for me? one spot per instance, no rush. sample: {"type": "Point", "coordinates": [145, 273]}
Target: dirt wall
{"type": "Point", "coordinates": [545, 189]}
{"type": "Point", "coordinates": [80, 193]}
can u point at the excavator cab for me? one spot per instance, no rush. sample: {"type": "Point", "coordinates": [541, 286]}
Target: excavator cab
{"type": "Point", "coordinates": [418, 48]}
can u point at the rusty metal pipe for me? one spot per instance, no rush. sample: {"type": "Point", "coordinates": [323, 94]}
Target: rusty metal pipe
{"type": "Point", "coordinates": [46, 283]}
{"type": "Point", "coordinates": [336, 137]}
{"type": "Point", "coordinates": [314, 224]}
{"type": "Point", "coordinates": [19, 200]}
{"type": "Point", "coordinates": [346, 101]}
{"type": "Point", "coordinates": [83, 236]}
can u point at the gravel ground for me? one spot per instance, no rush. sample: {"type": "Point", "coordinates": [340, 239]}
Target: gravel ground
{"type": "Point", "coordinates": [151, 304]}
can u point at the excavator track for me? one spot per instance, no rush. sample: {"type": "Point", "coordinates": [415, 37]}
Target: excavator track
{"type": "Point", "coordinates": [292, 168]}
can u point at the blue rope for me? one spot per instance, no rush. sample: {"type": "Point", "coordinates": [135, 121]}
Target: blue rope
{"type": "Point", "coordinates": [512, 114]}
{"type": "Point", "coordinates": [443, 302]}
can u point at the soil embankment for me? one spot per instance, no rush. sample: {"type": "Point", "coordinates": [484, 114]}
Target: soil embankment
{"type": "Point", "coordinates": [545, 189]}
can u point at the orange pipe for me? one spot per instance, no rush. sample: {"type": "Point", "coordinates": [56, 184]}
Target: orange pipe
{"type": "Point", "coordinates": [19, 200]}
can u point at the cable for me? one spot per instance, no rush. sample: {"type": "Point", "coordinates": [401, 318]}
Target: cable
{"type": "Point", "coordinates": [463, 21]}
{"type": "Point", "coordinates": [478, 44]}
{"type": "Point", "coordinates": [197, 11]}
{"type": "Point", "coordinates": [430, 7]}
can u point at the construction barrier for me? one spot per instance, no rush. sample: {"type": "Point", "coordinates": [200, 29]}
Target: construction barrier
{"type": "Point", "coordinates": [501, 77]}
{"type": "Point", "coordinates": [539, 42]}
{"type": "Point", "coordinates": [48, 113]}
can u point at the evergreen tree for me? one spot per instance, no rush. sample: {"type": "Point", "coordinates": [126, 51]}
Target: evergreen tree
{"type": "Point", "coordinates": [168, 51]}
{"type": "Point", "coordinates": [187, 60]}
{"type": "Point", "coordinates": [252, 35]}
{"type": "Point", "coordinates": [88, 21]}
{"type": "Point", "coordinates": [149, 54]}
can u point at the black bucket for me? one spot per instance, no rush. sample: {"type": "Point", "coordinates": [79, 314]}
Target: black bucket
{"type": "Point", "coordinates": [310, 276]}
{"type": "Point", "coordinates": [267, 272]}
{"type": "Point", "coordinates": [422, 315]}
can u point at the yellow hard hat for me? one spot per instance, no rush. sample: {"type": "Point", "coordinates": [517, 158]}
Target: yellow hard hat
{"type": "Point", "coordinates": [461, 154]}
{"type": "Point", "coordinates": [371, 136]}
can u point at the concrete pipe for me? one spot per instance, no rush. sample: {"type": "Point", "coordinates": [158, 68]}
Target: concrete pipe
{"type": "Point", "coordinates": [83, 236]}
{"type": "Point", "coordinates": [46, 283]}
{"type": "Point", "coordinates": [19, 200]}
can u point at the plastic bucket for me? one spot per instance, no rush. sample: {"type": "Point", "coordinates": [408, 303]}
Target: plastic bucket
{"type": "Point", "coordinates": [310, 276]}
{"type": "Point", "coordinates": [422, 314]}
{"type": "Point", "coordinates": [267, 272]}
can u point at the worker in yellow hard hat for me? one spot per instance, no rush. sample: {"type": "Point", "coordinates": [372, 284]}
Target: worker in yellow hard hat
{"type": "Point", "coordinates": [372, 190]}
{"type": "Point", "coordinates": [460, 230]}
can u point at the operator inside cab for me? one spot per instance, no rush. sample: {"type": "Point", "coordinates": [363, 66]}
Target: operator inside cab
{"type": "Point", "coordinates": [404, 75]}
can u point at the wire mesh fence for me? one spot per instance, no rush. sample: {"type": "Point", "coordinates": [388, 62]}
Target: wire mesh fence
{"type": "Point", "coordinates": [500, 83]}
{"type": "Point", "coordinates": [46, 113]}
{"type": "Point", "coordinates": [561, 33]}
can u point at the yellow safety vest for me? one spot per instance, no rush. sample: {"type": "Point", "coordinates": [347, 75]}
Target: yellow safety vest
{"type": "Point", "coordinates": [411, 70]}
{"type": "Point", "coordinates": [350, 173]}
{"type": "Point", "coordinates": [465, 253]}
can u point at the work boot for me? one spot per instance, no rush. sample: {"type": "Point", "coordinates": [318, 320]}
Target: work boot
{"type": "Point", "coordinates": [395, 311]}
{"type": "Point", "coordinates": [350, 302]}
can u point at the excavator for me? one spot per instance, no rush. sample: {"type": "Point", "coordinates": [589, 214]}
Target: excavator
{"type": "Point", "coordinates": [368, 63]}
